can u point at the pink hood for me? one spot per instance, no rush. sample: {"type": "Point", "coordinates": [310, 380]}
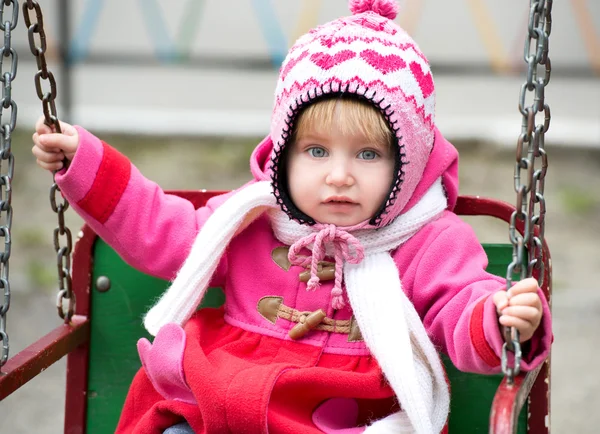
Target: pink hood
{"type": "Point", "coordinates": [442, 162]}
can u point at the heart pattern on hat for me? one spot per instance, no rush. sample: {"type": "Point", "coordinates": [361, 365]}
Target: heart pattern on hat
{"type": "Point", "coordinates": [384, 64]}
{"type": "Point", "coordinates": [425, 80]}
{"type": "Point", "coordinates": [327, 61]}
{"type": "Point", "coordinates": [292, 63]}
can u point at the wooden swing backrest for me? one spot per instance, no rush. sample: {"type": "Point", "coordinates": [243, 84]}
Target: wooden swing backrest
{"type": "Point", "coordinates": [99, 372]}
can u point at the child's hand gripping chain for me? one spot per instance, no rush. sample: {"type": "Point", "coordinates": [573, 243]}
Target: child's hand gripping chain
{"type": "Point", "coordinates": [51, 148]}
{"type": "Point", "coordinates": [520, 307]}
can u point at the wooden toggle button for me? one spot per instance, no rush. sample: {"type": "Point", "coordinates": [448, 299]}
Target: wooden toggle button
{"type": "Point", "coordinates": [307, 323]}
{"type": "Point", "coordinates": [325, 271]}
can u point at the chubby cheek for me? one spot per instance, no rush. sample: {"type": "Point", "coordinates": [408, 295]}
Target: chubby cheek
{"type": "Point", "coordinates": [376, 198]}
{"type": "Point", "coordinates": [379, 187]}
{"type": "Point", "coordinates": [297, 193]}
{"type": "Point", "coordinates": [300, 185]}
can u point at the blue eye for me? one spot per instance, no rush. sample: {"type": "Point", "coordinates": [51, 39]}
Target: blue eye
{"type": "Point", "coordinates": [367, 155]}
{"type": "Point", "coordinates": [317, 152]}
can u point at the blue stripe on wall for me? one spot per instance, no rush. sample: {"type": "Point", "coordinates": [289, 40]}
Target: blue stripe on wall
{"type": "Point", "coordinates": [80, 44]}
{"type": "Point", "coordinates": [157, 29]}
{"type": "Point", "coordinates": [272, 31]}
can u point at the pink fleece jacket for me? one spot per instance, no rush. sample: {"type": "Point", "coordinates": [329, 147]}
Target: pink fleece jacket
{"type": "Point", "coordinates": [442, 267]}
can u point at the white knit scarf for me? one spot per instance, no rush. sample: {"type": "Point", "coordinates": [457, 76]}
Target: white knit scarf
{"type": "Point", "coordinates": [387, 319]}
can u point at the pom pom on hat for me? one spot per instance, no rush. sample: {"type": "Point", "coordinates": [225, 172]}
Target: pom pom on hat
{"type": "Point", "coordinates": [386, 8]}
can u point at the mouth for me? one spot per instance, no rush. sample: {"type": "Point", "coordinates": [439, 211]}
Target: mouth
{"type": "Point", "coordinates": [339, 200]}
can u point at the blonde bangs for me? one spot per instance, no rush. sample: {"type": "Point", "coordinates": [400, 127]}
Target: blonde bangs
{"type": "Point", "coordinates": [355, 117]}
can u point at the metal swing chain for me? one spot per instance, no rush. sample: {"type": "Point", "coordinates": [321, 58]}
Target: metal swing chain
{"type": "Point", "coordinates": [530, 204]}
{"type": "Point", "coordinates": [6, 77]}
{"type": "Point", "coordinates": [58, 203]}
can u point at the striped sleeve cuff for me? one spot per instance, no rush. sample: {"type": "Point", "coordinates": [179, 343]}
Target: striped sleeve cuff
{"type": "Point", "coordinates": [477, 333]}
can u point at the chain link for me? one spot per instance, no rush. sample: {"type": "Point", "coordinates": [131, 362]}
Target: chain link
{"type": "Point", "coordinates": [529, 180]}
{"type": "Point", "coordinates": [35, 31]}
{"type": "Point", "coordinates": [7, 161]}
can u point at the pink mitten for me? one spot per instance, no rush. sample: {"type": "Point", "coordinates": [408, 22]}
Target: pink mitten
{"type": "Point", "coordinates": [163, 363]}
{"type": "Point", "coordinates": [337, 416]}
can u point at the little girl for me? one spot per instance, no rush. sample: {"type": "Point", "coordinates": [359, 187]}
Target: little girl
{"type": "Point", "coordinates": [345, 270]}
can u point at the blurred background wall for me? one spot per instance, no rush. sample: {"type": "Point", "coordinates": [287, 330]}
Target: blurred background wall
{"type": "Point", "coordinates": [209, 67]}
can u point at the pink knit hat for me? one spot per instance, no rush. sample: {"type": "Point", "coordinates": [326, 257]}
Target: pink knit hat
{"type": "Point", "coordinates": [369, 56]}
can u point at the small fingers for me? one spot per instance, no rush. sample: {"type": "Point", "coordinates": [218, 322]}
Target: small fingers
{"type": "Point", "coordinates": [500, 299]}
{"type": "Point", "coordinates": [50, 166]}
{"type": "Point", "coordinates": [524, 286]}
{"type": "Point", "coordinates": [47, 156]}
{"type": "Point", "coordinates": [68, 129]}
{"type": "Point", "coordinates": [525, 328]}
{"type": "Point", "coordinates": [523, 309]}
{"type": "Point", "coordinates": [41, 144]}
{"type": "Point", "coordinates": [527, 299]}
{"type": "Point", "coordinates": [57, 142]}
{"type": "Point", "coordinates": [53, 140]}
{"type": "Point", "coordinates": [527, 313]}
{"type": "Point", "coordinates": [41, 127]}
{"type": "Point", "coordinates": [50, 160]}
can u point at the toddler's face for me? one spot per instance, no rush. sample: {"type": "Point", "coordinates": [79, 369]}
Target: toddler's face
{"type": "Point", "coordinates": [338, 178]}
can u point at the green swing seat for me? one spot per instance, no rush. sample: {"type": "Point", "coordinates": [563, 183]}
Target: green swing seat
{"type": "Point", "coordinates": [114, 296]}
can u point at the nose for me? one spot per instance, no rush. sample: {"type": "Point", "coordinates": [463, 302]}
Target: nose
{"type": "Point", "coordinates": [340, 174]}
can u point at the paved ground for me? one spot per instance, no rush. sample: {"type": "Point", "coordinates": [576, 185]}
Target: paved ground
{"type": "Point", "coordinates": [573, 195]}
